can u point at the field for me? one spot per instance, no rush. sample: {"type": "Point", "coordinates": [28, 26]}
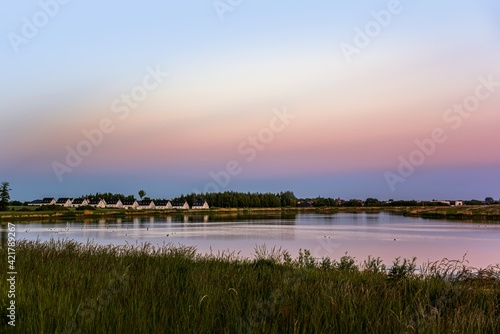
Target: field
{"type": "Point", "coordinates": [66, 287]}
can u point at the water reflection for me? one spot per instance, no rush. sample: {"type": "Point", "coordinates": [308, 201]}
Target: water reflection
{"type": "Point", "coordinates": [377, 234]}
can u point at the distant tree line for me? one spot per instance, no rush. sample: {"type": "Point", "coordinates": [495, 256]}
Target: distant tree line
{"type": "Point", "coordinates": [233, 199]}
{"type": "Point", "coordinates": [109, 196]}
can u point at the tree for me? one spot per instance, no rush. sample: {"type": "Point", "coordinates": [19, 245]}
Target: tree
{"type": "Point", "coordinates": [489, 200]}
{"type": "Point", "coordinates": [321, 202]}
{"type": "Point", "coordinates": [4, 196]}
{"type": "Point", "coordinates": [141, 193]}
{"type": "Point", "coordinates": [288, 198]}
{"type": "Point", "coordinates": [353, 202]}
{"type": "Point", "coordinates": [372, 202]}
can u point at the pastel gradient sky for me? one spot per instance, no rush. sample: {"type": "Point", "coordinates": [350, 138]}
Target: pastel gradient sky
{"type": "Point", "coordinates": [352, 120]}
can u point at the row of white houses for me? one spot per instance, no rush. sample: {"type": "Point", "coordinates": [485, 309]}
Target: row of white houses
{"type": "Point", "coordinates": [119, 204]}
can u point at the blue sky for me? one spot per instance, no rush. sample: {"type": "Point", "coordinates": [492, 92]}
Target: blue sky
{"type": "Point", "coordinates": [353, 119]}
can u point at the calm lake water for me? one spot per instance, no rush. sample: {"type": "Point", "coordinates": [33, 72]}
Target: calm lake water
{"type": "Point", "coordinates": [377, 234]}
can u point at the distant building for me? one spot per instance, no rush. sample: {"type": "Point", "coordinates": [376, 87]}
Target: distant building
{"type": "Point", "coordinates": [180, 205]}
{"type": "Point", "coordinates": [130, 205]}
{"type": "Point", "coordinates": [64, 201]}
{"type": "Point", "coordinates": [456, 203]}
{"type": "Point", "coordinates": [200, 205]}
{"type": "Point", "coordinates": [114, 203]}
{"type": "Point", "coordinates": [77, 202]}
{"type": "Point", "coordinates": [146, 204]}
{"type": "Point", "coordinates": [97, 203]}
{"type": "Point", "coordinates": [163, 204]}
{"type": "Point", "coordinates": [37, 202]}
{"type": "Point", "coordinates": [48, 201]}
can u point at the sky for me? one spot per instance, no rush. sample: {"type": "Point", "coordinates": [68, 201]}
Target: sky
{"type": "Point", "coordinates": [385, 99]}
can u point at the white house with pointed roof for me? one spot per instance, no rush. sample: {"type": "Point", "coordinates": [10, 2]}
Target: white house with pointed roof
{"type": "Point", "coordinates": [180, 205]}
{"type": "Point", "coordinates": [77, 202]}
{"type": "Point", "coordinates": [130, 205]}
{"type": "Point", "coordinates": [146, 204]}
{"type": "Point", "coordinates": [64, 201]}
{"type": "Point", "coordinates": [114, 204]}
{"type": "Point", "coordinates": [200, 205]}
{"type": "Point", "coordinates": [163, 205]}
{"type": "Point", "coordinates": [48, 201]}
{"type": "Point", "coordinates": [97, 203]}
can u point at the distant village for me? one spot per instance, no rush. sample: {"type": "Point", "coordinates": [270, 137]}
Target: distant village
{"type": "Point", "coordinates": [182, 204]}
{"type": "Point", "coordinates": [145, 204]}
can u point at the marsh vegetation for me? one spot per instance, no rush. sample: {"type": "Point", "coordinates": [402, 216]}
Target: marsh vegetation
{"type": "Point", "coordinates": [68, 287]}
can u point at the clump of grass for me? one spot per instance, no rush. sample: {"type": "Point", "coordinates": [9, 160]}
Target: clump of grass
{"type": "Point", "coordinates": [402, 270]}
{"type": "Point", "coordinates": [68, 287]}
{"type": "Point", "coordinates": [374, 265]}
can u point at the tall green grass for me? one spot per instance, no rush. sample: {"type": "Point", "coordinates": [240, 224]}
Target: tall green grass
{"type": "Point", "coordinates": [67, 287]}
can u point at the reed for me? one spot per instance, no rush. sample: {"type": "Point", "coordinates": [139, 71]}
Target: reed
{"type": "Point", "coordinates": [68, 287]}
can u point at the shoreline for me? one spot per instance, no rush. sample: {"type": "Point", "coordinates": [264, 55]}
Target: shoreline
{"type": "Point", "coordinates": [479, 213]}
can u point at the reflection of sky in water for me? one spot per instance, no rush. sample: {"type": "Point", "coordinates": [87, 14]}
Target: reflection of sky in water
{"type": "Point", "coordinates": [384, 235]}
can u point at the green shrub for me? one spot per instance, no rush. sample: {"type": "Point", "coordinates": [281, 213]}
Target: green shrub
{"type": "Point", "coordinates": [85, 207]}
{"type": "Point", "coordinates": [52, 208]}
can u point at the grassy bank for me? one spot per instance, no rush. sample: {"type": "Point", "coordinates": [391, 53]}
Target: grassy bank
{"type": "Point", "coordinates": [476, 212]}
{"type": "Point", "coordinates": [29, 213]}
{"type": "Point", "coordinates": [471, 213]}
{"type": "Point", "coordinates": [73, 288]}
